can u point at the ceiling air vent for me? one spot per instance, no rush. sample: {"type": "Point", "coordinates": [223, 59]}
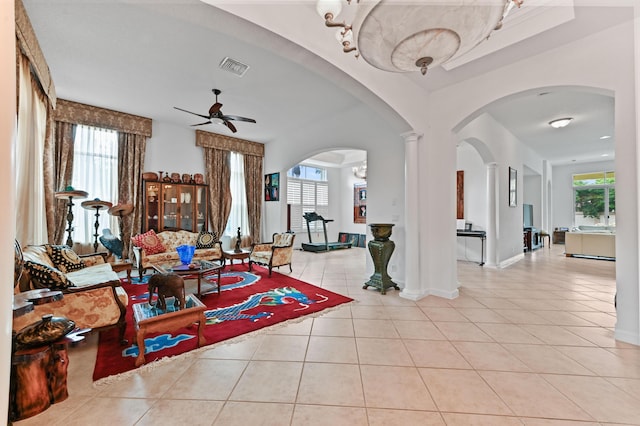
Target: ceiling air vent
{"type": "Point", "coordinates": [233, 66]}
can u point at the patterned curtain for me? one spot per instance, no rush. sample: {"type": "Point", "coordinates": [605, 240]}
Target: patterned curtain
{"type": "Point", "coordinates": [253, 187]}
{"type": "Point", "coordinates": [218, 175]}
{"type": "Point", "coordinates": [59, 178]}
{"type": "Point", "coordinates": [131, 149]}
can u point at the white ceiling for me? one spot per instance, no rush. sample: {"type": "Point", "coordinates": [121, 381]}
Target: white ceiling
{"type": "Point", "coordinates": [145, 57]}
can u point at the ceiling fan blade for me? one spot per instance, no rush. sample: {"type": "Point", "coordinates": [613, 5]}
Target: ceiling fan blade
{"type": "Point", "coordinates": [238, 118]}
{"type": "Point", "coordinates": [201, 124]}
{"type": "Point", "coordinates": [230, 126]}
{"type": "Point", "coordinates": [199, 115]}
{"type": "Point", "coordinates": [215, 108]}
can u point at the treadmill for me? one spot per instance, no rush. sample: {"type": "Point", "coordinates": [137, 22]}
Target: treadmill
{"type": "Point", "coordinates": [319, 247]}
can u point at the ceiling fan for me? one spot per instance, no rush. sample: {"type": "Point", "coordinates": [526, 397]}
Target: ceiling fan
{"type": "Point", "coordinates": [216, 116]}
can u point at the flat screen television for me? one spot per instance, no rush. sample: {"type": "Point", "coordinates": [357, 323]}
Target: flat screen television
{"type": "Point", "coordinates": [527, 215]}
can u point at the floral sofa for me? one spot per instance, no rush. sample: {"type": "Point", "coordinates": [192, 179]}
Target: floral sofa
{"type": "Point", "coordinates": [150, 248]}
{"type": "Point", "coordinates": [92, 295]}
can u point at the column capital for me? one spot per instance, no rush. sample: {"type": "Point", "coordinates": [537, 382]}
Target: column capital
{"type": "Point", "coordinates": [411, 136]}
{"type": "Point", "coordinates": [492, 165]}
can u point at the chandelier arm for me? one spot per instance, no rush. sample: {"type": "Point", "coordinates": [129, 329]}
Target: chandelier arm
{"type": "Point", "coordinates": [328, 21]}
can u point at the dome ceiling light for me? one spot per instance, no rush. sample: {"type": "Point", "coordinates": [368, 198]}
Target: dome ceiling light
{"type": "Point", "coordinates": [411, 36]}
{"type": "Point", "coordinates": [560, 122]}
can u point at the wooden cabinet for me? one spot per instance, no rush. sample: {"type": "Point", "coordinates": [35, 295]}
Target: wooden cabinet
{"type": "Point", "coordinates": [558, 237]}
{"type": "Point", "coordinates": [172, 206]}
{"type": "Point", "coordinates": [532, 239]}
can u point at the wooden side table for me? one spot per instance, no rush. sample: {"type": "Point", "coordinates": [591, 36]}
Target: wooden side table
{"type": "Point", "coordinates": [123, 265]}
{"type": "Point", "coordinates": [149, 319]}
{"type": "Point", "coordinates": [232, 255]}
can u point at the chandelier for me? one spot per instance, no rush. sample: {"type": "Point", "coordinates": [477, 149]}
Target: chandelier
{"type": "Point", "coordinates": [360, 171]}
{"type": "Point", "coordinates": [415, 35]}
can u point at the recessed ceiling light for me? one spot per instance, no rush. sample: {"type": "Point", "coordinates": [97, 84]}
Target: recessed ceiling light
{"type": "Point", "coordinates": [560, 122]}
{"type": "Point", "coordinates": [605, 137]}
{"type": "Point", "coordinates": [605, 155]}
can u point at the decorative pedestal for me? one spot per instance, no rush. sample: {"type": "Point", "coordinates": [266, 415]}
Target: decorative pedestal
{"type": "Point", "coordinates": [70, 194]}
{"type": "Point", "coordinates": [381, 249]}
{"type": "Point", "coordinates": [96, 205]}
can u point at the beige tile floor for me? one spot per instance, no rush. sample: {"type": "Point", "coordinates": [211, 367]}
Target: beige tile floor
{"type": "Point", "coordinates": [531, 344]}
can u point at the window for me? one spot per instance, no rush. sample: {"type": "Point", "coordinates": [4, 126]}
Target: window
{"type": "Point", "coordinates": [95, 170]}
{"type": "Point", "coordinates": [307, 195]}
{"type": "Point", "coordinates": [594, 199]}
{"type": "Point", "coordinates": [239, 215]}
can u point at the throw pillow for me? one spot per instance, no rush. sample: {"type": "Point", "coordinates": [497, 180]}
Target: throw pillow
{"type": "Point", "coordinates": [44, 276]}
{"type": "Point", "coordinates": [206, 240]}
{"type": "Point", "coordinates": [63, 258]}
{"type": "Point", "coordinates": [150, 242]}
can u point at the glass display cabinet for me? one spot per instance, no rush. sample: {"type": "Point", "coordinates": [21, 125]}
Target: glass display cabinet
{"type": "Point", "coordinates": [173, 206]}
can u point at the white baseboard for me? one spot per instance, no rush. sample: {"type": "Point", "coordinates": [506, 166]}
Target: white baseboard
{"type": "Point", "coordinates": [511, 260]}
{"type": "Point", "coordinates": [627, 337]}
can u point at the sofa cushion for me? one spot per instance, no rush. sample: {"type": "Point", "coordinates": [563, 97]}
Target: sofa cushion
{"type": "Point", "coordinates": [149, 241]}
{"type": "Point", "coordinates": [44, 276]}
{"type": "Point", "coordinates": [173, 239]}
{"type": "Point", "coordinates": [282, 240]}
{"type": "Point", "coordinates": [63, 258]}
{"type": "Point", "coordinates": [37, 254]}
{"type": "Point", "coordinates": [206, 239]}
{"type": "Point", "coordinates": [92, 275]}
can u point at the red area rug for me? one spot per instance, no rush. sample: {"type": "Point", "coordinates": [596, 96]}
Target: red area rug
{"type": "Point", "coordinates": [247, 302]}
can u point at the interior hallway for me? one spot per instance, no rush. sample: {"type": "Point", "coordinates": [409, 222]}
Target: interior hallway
{"type": "Point", "coordinates": [531, 344]}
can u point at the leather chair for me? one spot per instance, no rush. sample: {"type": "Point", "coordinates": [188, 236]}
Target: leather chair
{"type": "Point", "coordinates": [274, 254]}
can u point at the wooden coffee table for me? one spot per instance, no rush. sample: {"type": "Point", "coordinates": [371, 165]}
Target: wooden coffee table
{"type": "Point", "coordinates": [231, 255]}
{"type": "Point", "coordinates": [150, 319]}
{"type": "Point", "coordinates": [203, 268]}
{"type": "Point", "coordinates": [122, 265]}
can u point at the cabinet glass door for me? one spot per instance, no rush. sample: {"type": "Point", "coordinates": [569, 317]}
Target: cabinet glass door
{"type": "Point", "coordinates": [201, 208]}
{"type": "Point", "coordinates": [186, 207]}
{"type": "Point", "coordinates": [152, 194]}
{"type": "Point", "coordinates": [170, 202]}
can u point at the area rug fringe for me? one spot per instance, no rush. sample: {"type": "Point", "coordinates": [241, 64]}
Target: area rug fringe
{"type": "Point", "coordinates": [146, 368]}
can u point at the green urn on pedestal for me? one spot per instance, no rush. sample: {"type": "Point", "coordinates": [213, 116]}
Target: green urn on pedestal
{"type": "Point", "coordinates": [381, 249]}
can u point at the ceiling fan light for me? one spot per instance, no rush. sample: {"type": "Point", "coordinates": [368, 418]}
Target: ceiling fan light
{"type": "Point", "coordinates": [215, 120]}
{"type": "Point", "coordinates": [560, 122]}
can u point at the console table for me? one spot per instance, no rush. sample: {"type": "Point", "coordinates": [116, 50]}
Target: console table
{"type": "Point", "coordinates": [475, 234]}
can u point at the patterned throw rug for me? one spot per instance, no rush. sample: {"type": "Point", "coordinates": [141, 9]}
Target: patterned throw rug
{"type": "Point", "coordinates": [247, 302]}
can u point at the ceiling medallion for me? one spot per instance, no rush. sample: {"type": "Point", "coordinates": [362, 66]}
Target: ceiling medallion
{"type": "Point", "coordinates": [410, 36]}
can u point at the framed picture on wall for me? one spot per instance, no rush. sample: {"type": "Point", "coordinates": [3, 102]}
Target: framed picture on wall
{"type": "Point", "coordinates": [513, 187]}
{"type": "Point", "coordinates": [360, 203]}
{"type": "Point", "coordinates": [272, 187]}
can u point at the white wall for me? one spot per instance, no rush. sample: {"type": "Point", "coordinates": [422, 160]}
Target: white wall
{"type": "Point", "coordinates": [506, 151]}
{"type": "Point", "coordinates": [475, 200]}
{"type": "Point", "coordinates": [385, 174]}
{"type": "Point", "coordinates": [532, 194]}
{"type": "Point", "coordinates": [563, 189]}
{"type": "Point", "coordinates": [571, 64]}
{"type": "Point", "coordinates": [173, 148]}
{"type": "Point", "coordinates": [7, 175]}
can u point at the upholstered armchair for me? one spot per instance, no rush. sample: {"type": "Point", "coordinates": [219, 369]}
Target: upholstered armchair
{"type": "Point", "coordinates": [275, 254]}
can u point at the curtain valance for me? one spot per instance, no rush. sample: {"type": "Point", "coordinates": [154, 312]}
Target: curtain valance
{"type": "Point", "coordinates": [28, 44]}
{"type": "Point", "coordinates": [228, 143]}
{"type": "Point", "coordinates": [77, 113]}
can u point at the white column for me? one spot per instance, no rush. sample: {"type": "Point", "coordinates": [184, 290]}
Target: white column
{"type": "Point", "coordinates": [7, 176]}
{"type": "Point", "coordinates": [491, 251]}
{"type": "Point", "coordinates": [412, 287]}
{"type": "Point", "coordinates": [627, 251]}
